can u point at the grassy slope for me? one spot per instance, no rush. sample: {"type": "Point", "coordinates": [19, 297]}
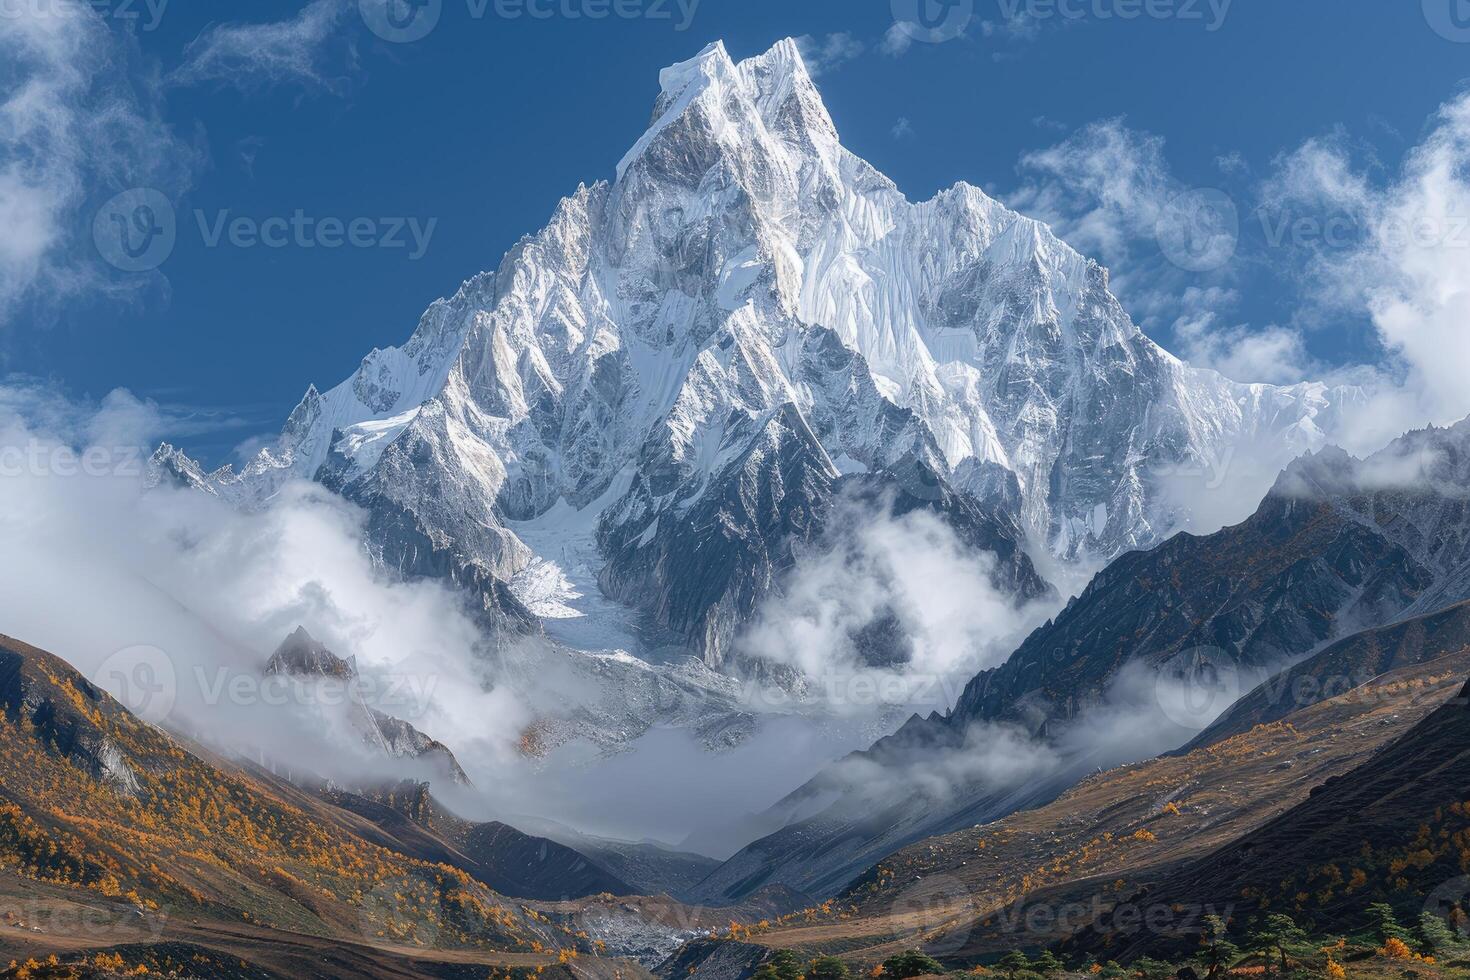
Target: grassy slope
{"type": "Point", "coordinates": [99, 809]}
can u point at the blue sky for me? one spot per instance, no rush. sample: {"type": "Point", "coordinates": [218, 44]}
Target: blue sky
{"type": "Point", "coordinates": [1072, 112]}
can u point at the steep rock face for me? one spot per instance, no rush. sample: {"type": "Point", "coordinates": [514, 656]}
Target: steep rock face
{"type": "Point", "coordinates": [1345, 665]}
{"type": "Point", "coordinates": [64, 711]}
{"type": "Point", "coordinates": [1339, 545]}
{"type": "Point", "coordinates": [511, 862]}
{"type": "Point", "coordinates": [744, 271]}
{"type": "Point", "coordinates": [302, 658]}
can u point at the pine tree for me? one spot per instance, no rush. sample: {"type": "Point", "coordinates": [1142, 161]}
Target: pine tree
{"type": "Point", "coordinates": [1278, 935]}
{"type": "Point", "coordinates": [1439, 937]}
{"type": "Point", "coordinates": [1386, 923]}
{"type": "Point", "coordinates": [1219, 952]}
{"type": "Point", "coordinates": [911, 963]}
{"type": "Point", "coordinates": [783, 965]}
{"type": "Point", "coordinates": [1014, 963]}
{"type": "Point", "coordinates": [1047, 964]}
{"type": "Point", "coordinates": [827, 968]}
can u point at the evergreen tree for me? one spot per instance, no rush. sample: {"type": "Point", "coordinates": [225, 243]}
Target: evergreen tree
{"type": "Point", "coordinates": [782, 965]}
{"type": "Point", "coordinates": [1151, 969]}
{"type": "Point", "coordinates": [1439, 937]}
{"type": "Point", "coordinates": [911, 963]}
{"type": "Point", "coordinates": [1014, 964]}
{"type": "Point", "coordinates": [1276, 936]}
{"type": "Point", "coordinates": [1219, 952]}
{"type": "Point", "coordinates": [827, 968]}
{"type": "Point", "coordinates": [1047, 964]}
{"type": "Point", "coordinates": [1386, 923]}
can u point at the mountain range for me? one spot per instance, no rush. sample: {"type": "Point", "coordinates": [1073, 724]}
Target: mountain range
{"type": "Point", "coordinates": [658, 397]}
{"type": "Point", "coordinates": [624, 444]}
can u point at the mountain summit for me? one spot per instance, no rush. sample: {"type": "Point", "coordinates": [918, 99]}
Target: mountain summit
{"type": "Point", "coordinates": [661, 389]}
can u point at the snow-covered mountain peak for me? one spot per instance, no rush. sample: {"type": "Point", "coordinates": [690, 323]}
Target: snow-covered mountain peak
{"type": "Point", "coordinates": [745, 312]}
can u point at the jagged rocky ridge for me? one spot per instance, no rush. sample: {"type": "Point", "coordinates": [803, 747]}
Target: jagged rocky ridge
{"type": "Point", "coordinates": [700, 348]}
{"type": "Point", "coordinates": [1338, 546]}
{"type": "Point", "coordinates": [302, 658]}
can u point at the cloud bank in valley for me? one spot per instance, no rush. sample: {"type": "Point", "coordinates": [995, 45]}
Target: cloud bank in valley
{"type": "Point", "coordinates": [891, 610]}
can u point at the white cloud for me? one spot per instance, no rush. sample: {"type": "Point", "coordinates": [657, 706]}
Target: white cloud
{"type": "Point", "coordinates": [1273, 355]}
{"type": "Point", "coordinates": [896, 41]}
{"type": "Point", "coordinates": [902, 128]}
{"type": "Point", "coordinates": [97, 564]}
{"type": "Point", "coordinates": [1102, 188]}
{"type": "Point", "coordinates": [883, 571]}
{"type": "Point", "coordinates": [73, 123]}
{"type": "Point", "coordinates": [1399, 252]}
{"type": "Point", "coordinates": [252, 56]}
{"type": "Point", "coordinates": [1107, 190]}
{"type": "Point", "coordinates": [1232, 163]}
{"type": "Point", "coordinates": [825, 54]}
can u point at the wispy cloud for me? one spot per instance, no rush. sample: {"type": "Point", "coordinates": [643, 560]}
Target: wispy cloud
{"type": "Point", "coordinates": [902, 128]}
{"type": "Point", "coordinates": [1108, 190]}
{"type": "Point", "coordinates": [896, 41]}
{"type": "Point", "coordinates": [827, 53]}
{"type": "Point", "coordinates": [255, 56]}
{"type": "Point", "coordinates": [74, 123]}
